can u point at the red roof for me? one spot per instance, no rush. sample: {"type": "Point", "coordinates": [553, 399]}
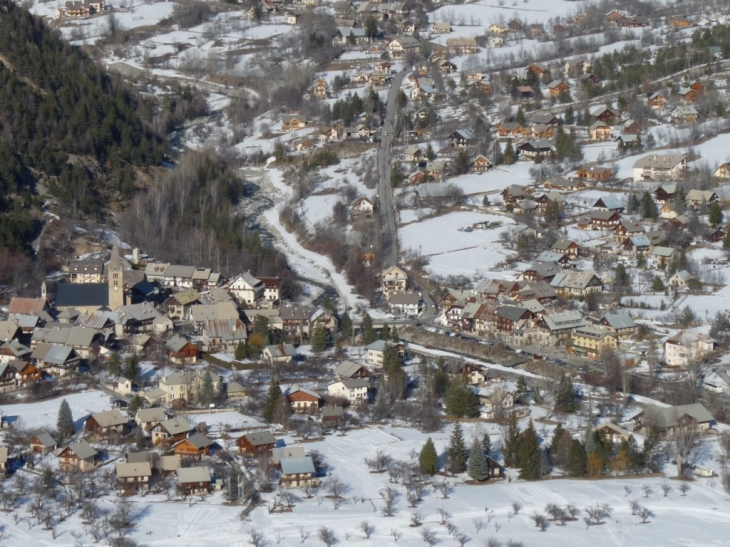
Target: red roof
{"type": "Point", "coordinates": [27, 306]}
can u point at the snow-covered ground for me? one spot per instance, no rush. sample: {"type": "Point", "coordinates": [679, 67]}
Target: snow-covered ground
{"type": "Point", "coordinates": [44, 414]}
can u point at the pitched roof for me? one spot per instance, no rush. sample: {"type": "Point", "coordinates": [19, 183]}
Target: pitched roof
{"type": "Point", "coordinates": [294, 466]}
{"type": "Point", "coordinates": [187, 475]}
{"type": "Point", "coordinates": [83, 450]}
{"type": "Point", "coordinates": [260, 438]}
{"type": "Point", "coordinates": [573, 280]}
{"type": "Point", "coordinates": [512, 313]}
{"type": "Point", "coordinates": [286, 453]}
{"type": "Point", "coordinates": [404, 299]}
{"type": "Point", "coordinates": [109, 418]}
{"type": "Point", "coordinates": [146, 415]}
{"type": "Point", "coordinates": [176, 425]}
{"type": "Point", "coordinates": [660, 161]}
{"type": "Point", "coordinates": [619, 320]}
{"type": "Point", "coordinates": [52, 354]}
{"type": "Point", "coordinates": [664, 417]}
{"type": "Point", "coordinates": [82, 294]}
{"type": "Point", "coordinates": [27, 306]}
{"type": "Point", "coordinates": [46, 439]}
{"type": "Point", "coordinates": [130, 470]}
{"type": "Point", "coordinates": [347, 369]}
{"type": "Point", "coordinates": [198, 440]}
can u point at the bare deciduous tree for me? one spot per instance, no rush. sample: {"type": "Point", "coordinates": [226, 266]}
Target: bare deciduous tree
{"type": "Point", "coordinates": [327, 536]}
{"type": "Point", "coordinates": [645, 514]}
{"type": "Point", "coordinates": [416, 518]}
{"type": "Point", "coordinates": [390, 496]}
{"type": "Point", "coordinates": [598, 513]}
{"type": "Point", "coordinates": [478, 524]}
{"type": "Point", "coordinates": [367, 529]}
{"type": "Point", "coordinates": [303, 534]}
{"type": "Point", "coordinates": [684, 488]}
{"type": "Point", "coordinates": [444, 515]}
{"type": "Point", "coordinates": [516, 506]}
{"type": "Point", "coordinates": [257, 538]}
{"type": "Point", "coordinates": [666, 488]}
{"type": "Point", "coordinates": [646, 488]}
{"type": "Point", "coordinates": [428, 537]}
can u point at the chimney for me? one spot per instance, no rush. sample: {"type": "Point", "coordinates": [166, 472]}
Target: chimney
{"type": "Point", "coordinates": [135, 255]}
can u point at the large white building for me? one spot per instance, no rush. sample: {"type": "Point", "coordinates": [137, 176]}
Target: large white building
{"type": "Point", "coordinates": [680, 350]}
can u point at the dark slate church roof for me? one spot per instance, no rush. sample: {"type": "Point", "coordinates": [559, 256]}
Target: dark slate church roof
{"type": "Point", "coordinates": [82, 294]}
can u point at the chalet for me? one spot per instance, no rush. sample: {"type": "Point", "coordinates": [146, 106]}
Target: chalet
{"type": "Point", "coordinates": [348, 370]}
{"type": "Point", "coordinates": [511, 129]}
{"type": "Point", "coordinates": [609, 203]}
{"type": "Point", "coordinates": [669, 419]}
{"type": "Point", "coordinates": [401, 45]}
{"type": "Point", "coordinates": [495, 404]}
{"type": "Point", "coordinates": [104, 424]}
{"type": "Point", "coordinates": [514, 193]}
{"type": "Point", "coordinates": [26, 373]}
{"type": "Point", "coordinates": [85, 341]}
{"type": "Point", "coordinates": [362, 206]}
{"type": "Point", "coordinates": [685, 348]}
{"type": "Point", "coordinates": [303, 400]}
{"type": "Point", "coordinates": [588, 79]}
{"type": "Point", "coordinates": [86, 271]}
{"type": "Point", "coordinates": [297, 472]}
{"type": "Point", "coordinates": [612, 432]}
{"type": "Point", "coordinates": [461, 46]}
{"type": "Point", "coordinates": [509, 318]}
{"type": "Point", "coordinates": [43, 442]}
{"type": "Point", "coordinates": [696, 198]}
{"type": "Point", "coordinates": [171, 431]}
{"type": "Point", "coordinates": [333, 415]}
{"type": "Point", "coordinates": [599, 131]}
{"type": "Point", "coordinates": [540, 271]}
{"type": "Point", "coordinates": [461, 138]}
{"type": "Point", "coordinates": [722, 172]}
{"type": "Point", "coordinates": [594, 172]}
{"type": "Point", "coordinates": [292, 122]}
{"type": "Point", "coordinates": [524, 92]}
{"type": "Point", "coordinates": [181, 351]}
{"type": "Point", "coordinates": [193, 480]}
{"type": "Point", "coordinates": [133, 477]}
{"type": "Point", "coordinates": [661, 256]}
{"type": "Point", "coordinates": [256, 444]}
{"type": "Point", "coordinates": [632, 22]}
{"type": "Point", "coordinates": [224, 335]}
{"type": "Point", "coordinates": [566, 247]}
{"type": "Point", "coordinates": [556, 87]}
{"type": "Point", "coordinates": [689, 95]}
{"type": "Point", "coordinates": [630, 127]}
{"type": "Point", "coordinates": [558, 327]}
{"type": "Point", "coordinates": [545, 118]}
{"type": "Point", "coordinates": [394, 280]}
{"type": "Point", "coordinates": [536, 69]}
{"type": "Point", "coordinates": [656, 101]}
{"type": "Point", "coordinates": [55, 360]}
{"type": "Point", "coordinates": [355, 391]}
{"type": "Point", "coordinates": [481, 164]}
{"type": "Point", "coordinates": [279, 353]}
{"type": "Point", "coordinates": [496, 41]}
{"type": "Point", "coordinates": [319, 88]}
{"type": "Point", "coordinates": [526, 207]}
{"type": "Point", "coordinates": [14, 350]}
{"type": "Point", "coordinates": [602, 114]}
{"type": "Point", "coordinates": [636, 245]}
{"type": "Point", "coordinates": [679, 22]}
{"type": "Point", "coordinates": [234, 390]}
{"type": "Point", "coordinates": [620, 324]}
{"type": "Point", "coordinates": [195, 446]}
{"type": "Point", "coordinates": [534, 149]}
{"type": "Point", "coordinates": [665, 193]}
{"type": "Point", "coordinates": [77, 457]}
{"type": "Point", "coordinates": [551, 257]}
{"type": "Point", "coordinates": [178, 304]}
{"type": "Point", "coordinates": [684, 114]}
{"type": "Point", "coordinates": [413, 154]}
{"type": "Point", "coordinates": [350, 36]}
{"type": "Point", "coordinates": [570, 283]}
{"type": "Point", "coordinates": [599, 220]}
{"type": "Point", "coordinates": [627, 142]}
{"type": "Point", "coordinates": [146, 418]}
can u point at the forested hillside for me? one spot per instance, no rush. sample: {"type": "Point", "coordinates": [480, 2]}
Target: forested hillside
{"type": "Point", "coordinates": [63, 122]}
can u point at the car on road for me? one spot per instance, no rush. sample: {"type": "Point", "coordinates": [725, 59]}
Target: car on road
{"type": "Point", "coordinates": [385, 134]}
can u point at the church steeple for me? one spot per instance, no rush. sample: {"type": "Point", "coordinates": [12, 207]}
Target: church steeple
{"type": "Point", "coordinates": [116, 280]}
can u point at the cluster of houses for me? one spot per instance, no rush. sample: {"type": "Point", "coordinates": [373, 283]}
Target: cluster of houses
{"type": "Point", "coordinates": [101, 304]}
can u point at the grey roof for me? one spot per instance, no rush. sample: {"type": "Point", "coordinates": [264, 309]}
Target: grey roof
{"type": "Point", "coordinates": [404, 299]}
{"type": "Point", "coordinates": [8, 329]}
{"type": "Point", "coordinates": [176, 343]}
{"type": "Point", "coordinates": [544, 269]}
{"type": "Point", "coordinates": [562, 244]}
{"type": "Point", "coordinates": [54, 355]}
{"type": "Point", "coordinates": [140, 312]}
{"type": "Point", "coordinates": [640, 241]}
{"type": "Point", "coordinates": [378, 345]}
{"type": "Point", "coordinates": [355, 383]}
{"type": "Point", "coordinates": [619, 320]}
{"type": "Point", "coordinates": [109, 418]}
{"type": "Point", "coordinates": [83, 450]}
{"type": "Point", "coordinates": [295, 466]}
{"type": "Point", "coordinates": [198, 440]}
{"type": "Point", "coordinates": [549, 256]}
{"type": "Point", "coordinates": [140, 457]}
{"type": "Point", "coordinates": [565, 320]}
{"type": "Point", "coordinates": [46, 439]}
{"type": "Point", "coordinates": [176, 425]}
{"type": "Point", "coordinates": [347, 369]}
{"type": "Point", "coordinates": [146, 415]}
{"type": "Point", "coordinates": [664, 417]}
{"type": "Point", "coordinates": [70, 335]}
{"type": "Point", "coordinates": [128, 470]}
{"type": "Point", "coordinates": [192, 474]}
{"type": "Point", "coordinates": [260, 438]}
{"type": "Point", "coordinates": [573, 280]}
{"type": "Point", "coordinates": [310, 392]}
{"type": "Point", "coordinates": [610, 202]}
{"type": "Point", "coordinates": [216, 311]}
{"type": "Point", "coordinates": [513, 313]}
{"type": "Point", "coordinates": [333, 412]}
{"type": "Point", "coordinates": [82, 294]}
{"type": "Point", "coordinates": [660, 161]}
{"type": "Point", "coordinates": [296, 312]}
{"type": "Point", "coordinates": [16, 348]}
{"type": "Point", "coordinates": [662, 251]}
{"type": "Point", "coordinates": [287, 453]}
{"type": "Point", "coordinates": [170, 463]}
{"type": "Point", "coordinates": [281, 350]}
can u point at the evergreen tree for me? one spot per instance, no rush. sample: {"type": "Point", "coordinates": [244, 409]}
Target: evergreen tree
{"type": "Point", "coordinates": [577, 459]}
{"type": "Point", "coordinates": [139, 438]}
{"type": "Point", "coordinates": [716, 215]}
{"type": "Point", "coordinates": [346, 326]}
{"type": "Point", "coordinates": [634, 204]}
{"type": "Point", "coordinates": [428, 460]}
{"type": "Point", "coordinates": [261, 328]}
{"type": "Point", "coordinates": [131, 367]}
{"type": "Point", "coordinates": [461, 164]}
{"type": "Point", "coordinates": [569, 116]}
{"type": "Point", "coordinates": [430, 154]}
{"type": "Point", "coordinates": [396, 379]}
{"type": "Point", "coordinates": [115, 365]}
{"type": "Point", "coordinates": [530, 458]}
{"type": "Point", "coordinates": [382, 408]}
{"type": "Point", "coordinates": [65, 422]}
{"type": "Point", "coordinates": [461, 400]}
{"type": "Point", "coordinates": [477, 468]}
{"type": "Point", "coordinates": [371, 27]}
{"type": "Point", "coordinates": [207, 389]}
{"type": "Point", "coordinates": [680, 200]}
{"type": "Point", "coordinates": [589, 439]}
{"type": "Point", "coordinates": [652, 453]}
{"type": "Point", "coordinates": [511, 442]}
{"type": "Point", "coordinates": [587, 118]}
{"type": "Point", "coordinates": [487, 446]}
{"type": "Point", "coordinates": [520, 117]}
{"type": "Point", "coordinates": [368, 332]}
{"type": "Point", "coordinates": [394, 336]}
{"type": "Point", "coordinates": [385, 332]}
{"type": "Point", "coordinates": [233, 484]}
{"type": "Point", "coordinates": [440, 379]}
{"type": "Point", "coordinates": [134, 405]}
{"type": "Point", "coordinates": [509, 153]}
{"type": "Point", "coordinates": [320, 338]}
{"type": "Point", "coordinates": [648, 207]}
{"type": "Point", "coordinates": [557, 436]}
{"type": "Point", "coordinates": [565, 398]}
{"type": "Point", "coordinates": [621, 281]}
{"type": "Point", "coordinates": [657, 285]}
{"type": "Point", "coordinates": [273, 403]}
{"type": "Point", "coordinates": [521, 389]}
{"type": "Point", "coordinates": [240, 353]}
{"type": "Point", "coordinates": [457, 451]}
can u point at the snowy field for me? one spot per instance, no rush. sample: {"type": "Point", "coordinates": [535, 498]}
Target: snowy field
{"type": "Point", "coordinates": [44, 414]}
{"type": "Point", "coordinates": [451, 250]}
